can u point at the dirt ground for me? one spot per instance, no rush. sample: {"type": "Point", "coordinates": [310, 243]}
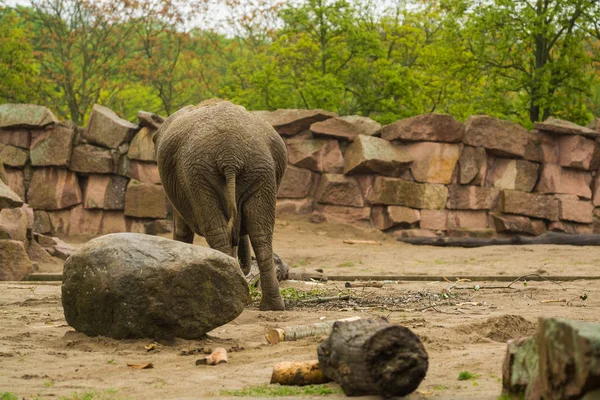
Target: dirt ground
{"type": "Point", "coordinates": [462, 329]}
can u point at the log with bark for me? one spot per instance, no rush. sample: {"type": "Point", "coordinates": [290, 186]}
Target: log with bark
{"type": "Point", "coordinates": [546, 238]}
{"type": "Point", "coordinates": [298, 373]}
{"type": "Point", "coordinates": [291, 333]}
{"type": "Point", "coordinates": [373, 357]}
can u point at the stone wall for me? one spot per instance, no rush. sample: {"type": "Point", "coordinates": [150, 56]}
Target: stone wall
{"type": "Point", "coordinates": [425, 176]}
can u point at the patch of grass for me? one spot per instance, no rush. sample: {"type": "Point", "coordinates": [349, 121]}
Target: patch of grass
{"type": "Point", "coordinates": [278, 390]}
{"type": "Point", "coordinates": [440, 262]}
{"type": "Point", "coordinates": [466, 375]}
{"type": "Point", "coordinates": [48, 384]}
{"type": "Point", "coordinates": [293, 294]}
{"type": "Point", "coordinates": [440, 387]}
{"type": "Point", "coordinates": [109, 394]}
{"type": "Point", "coordinates": [346, 264]}
{"type": "Point", "coordinates": [111, 361]}
{"type": "Point", "coordinates": [8, 396]}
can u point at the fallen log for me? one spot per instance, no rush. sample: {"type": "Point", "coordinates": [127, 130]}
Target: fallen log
{"type": "Point", "coordinates": [298, 373]}
{"type": "Point", "coordinates": [292, 333]}
{"type": "Point", "coordinates": [363, 284]}
{"type": "Point", "coordinates": [373, 357]}
{"type": "Point", "coordinates": [218, 356]}
{"type": "Point", "coordinates": [546, 238]}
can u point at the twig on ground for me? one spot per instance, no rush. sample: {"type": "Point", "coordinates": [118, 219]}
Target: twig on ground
{"type": "Point", "coordinates": [324, 299]}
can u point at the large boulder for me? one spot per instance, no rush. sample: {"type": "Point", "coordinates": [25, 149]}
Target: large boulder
{"type": "Point", "coordinates": [53, 147]}
{"type": "Point", "coordinates": [339, 190]}
{"type": "Point", "coordinates": [15, 265]}
{"type": "Point", "coordinates": [16, 137]}
{"type": "Point", "coordinates": [295, 184]}
{"type": "Point", "coordinates": [290, 122]}
{"type": "Point", "coordinates": [432, 127]}
{"type": "Point", "coordinates": [555, 179]}
{"type": "Point", "coordinates": [557, 126]}
{"type": "Point", "coordinates": [105, 191]}
{"type": "Point", "coordinates": [369, 154]}
{"type": "Point", "coordinates": [335, 128]}
{"type": "Point", "coordinates": [433, 162]}
{"type": "Point", "coordinates": [498, 136]}
{"type": "Point", "coordinates": [106, 129]}
{"type": "Point", "coordinates": [25, 116]}
{"type": "Point", "coordinates": [529, 204]}
{"type": "Point", "coordinates": [145, 200]}
{"type": "Point", "coordinates": [130, 285]}
{"type": "Point", "coordinates": [365, 125]}
{"type": "Point", "coordinates": [13, 156]}
{"type": "Point", "coordinates": [53, 189]}
{"type": "Point", "coordinates": [316, 154]}
{"type": "Point", "coordinates": [8, 198]}
{"type": "Point", "coordinates": [142, 146]}
{"type": "Point", "coordinates": [472, 166]}
{"type": "Point", "coordinates": [512, 174]}
{"type": "Point", "coordinates": [392, 191]}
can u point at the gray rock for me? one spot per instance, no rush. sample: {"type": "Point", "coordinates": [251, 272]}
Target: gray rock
{"type": "Point", "coordinates": [106, 129]}
{"type": "Point", "coordinates": [281, 267]}
{"type": "Point", "coordinates": [8, 198]}
{"type": "Point", "coordinates": [129, 285]}
{"type": "Point", "coordinates": [25, 116]}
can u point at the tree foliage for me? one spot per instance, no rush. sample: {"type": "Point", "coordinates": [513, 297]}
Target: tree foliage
{"type": "Point", "coordinates": [517, 59]}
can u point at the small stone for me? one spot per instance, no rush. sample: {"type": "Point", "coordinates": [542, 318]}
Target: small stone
{"type": "Point", "coordinates": [432, 127]}
{"type": "Point", "coordinates": [499, 136]}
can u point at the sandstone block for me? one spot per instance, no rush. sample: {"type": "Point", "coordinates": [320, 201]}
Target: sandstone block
{"type": "Point", "coordinates": [365, 182]}
{"type": "Point", "coordinates": [16, 137]}
{"type": "Point", "coordinates": [596, 191]}
{"type": "Point", "coordinates": [556, 126]}
{"type": "Point", "coordinates": [364, 125]}
{"type": "Point", "coordinates": [436, 220]}
{"type": "Point", "coordinates": [518, 224]}
{"type": "Point", "coordinates": [106, 129]}
{"type": "Point", "coordinates": [15, 265]}
{"type": "Point", "coordinates": [292, 207]}
{"type": "Point", "coordinates": [555, 179]}
{"type": "Point", "coordinates": [25, 116]}
{"type": "Point", "coordinates": [105, 191]}
{"type": "Point", "coordinates": [571, 227]}
{"type": "Point", "coordinates": [92, 160]}
{"type": "Point", "coordinates": [473, 166]}
{"type": "Point", "coordinates": [142, 146]}
{"type": "Point", "coordinates": [295, 184]}
{"type": "Point", "coordinates": [335, 128]}
{"type": "Point", "coordinates": [532, 205]}
{"type": "Point", "coordinates": [13, 156]}
{"type": "Point", "coordinates": [369, 154]}
{"type": "Point", "coordinates": [141, 171]}
{"type": "Point", "coordinates": [433, 162]}
{"type": "Point", "coordinates": [37, 253]}
{"type": "Point", "coordinates": [432, 127]}
{"type": "Point", "coordinates": [512, 174]}
{"type": "Point", "coordinates": [339, 190]}
{"type": "Point", "coordinates": [289, 122]}
{"type": "Point", "coordinates": [343, 214]}
{"type": "Point", "coordinates": [78, 221]}
{"type": "Point", "coordinates": [498, 136]}
{"type": "Point", "coordinates": [8, 198]}
{"type": "Point", "coordinates": [549, 148]}
{"type": "Point", "coordinates": [467, 220]}
{"type": "Point", "coordinates": [392, 191]}
{"type": "Point", "coordinates": [316, 154]}
{"type": "Point", "coordinates": [533, 150]}
{"type": "Point", "coordinates": [578, 152]}
{"type": "Point", "coordinates": [41, 222]}
{"type": "Point", "coordinates": [385, 217]}
{"type": "Point", "coordinates": [109, 288]}
{"type": "Point", "coordinates": [150, 120]}
{"type": "Point", "coordinates": [472, 197]}
{"type": "Point", "coordinates": [145, 200]}
{"type": "Point", "coordinates": [53, 147]}
{"type": "Point", "coordinates": [13, 224]}
{"type": "Point", "coordinates": [576, 211]}
{"type": "Point", "coordinates": [16, 181]}
{"type": "Point", "coordinates": [53, 189]}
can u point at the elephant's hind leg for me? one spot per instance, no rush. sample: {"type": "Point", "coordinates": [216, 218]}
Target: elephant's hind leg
{"type": "Point", "coordinates": [182, 232]}
{"type": "Point", "coordinates": [244, 254]}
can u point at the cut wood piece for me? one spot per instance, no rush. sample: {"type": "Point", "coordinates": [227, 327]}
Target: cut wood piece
{"type": "Point", "coordinates": [363, 284]}
{"type": "Point", "coordinates": [373, 357]}
{"type": "Point", "coordinates": [292, 333]}
{"type": "Point", "coordinates": [546, 238]}
{"type": "Point", "coordinates": [354, 241]}
{"type": "Point", "coordinates": [298, 373]}
{"type": "Point", "coordinates": [218, 356]}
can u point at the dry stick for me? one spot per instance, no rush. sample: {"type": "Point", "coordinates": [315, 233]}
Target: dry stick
{"type": "Point", "coordinates": [363, 284]}
{"type": "Point", "coordinates": [554, 301]}
{"type": "Point", "coordinates": [355, 241]}
{"type": "Point", "coordinates": [298, 373]}
{"type": "Point", "coordinates": [510, 284]}
{"type": "Point", "coordinates": [325, 299]}
{"type": "Point", "coordinates": [292, 333]}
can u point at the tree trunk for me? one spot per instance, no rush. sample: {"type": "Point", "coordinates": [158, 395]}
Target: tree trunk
{"type": "Point", "coordinates": [373, 357]}
{"type": "Point", "coordinates": [547, 238]}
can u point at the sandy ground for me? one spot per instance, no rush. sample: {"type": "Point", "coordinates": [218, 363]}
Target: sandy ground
{"type": "Point", "coordinates": [42, 357]}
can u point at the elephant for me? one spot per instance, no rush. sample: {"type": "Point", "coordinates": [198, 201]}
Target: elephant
{"type": "Point", "coordinates": [221, 167]}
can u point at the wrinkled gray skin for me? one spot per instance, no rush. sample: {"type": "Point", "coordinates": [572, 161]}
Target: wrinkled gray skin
{"type": "Point", "coordinates": [221, 167]}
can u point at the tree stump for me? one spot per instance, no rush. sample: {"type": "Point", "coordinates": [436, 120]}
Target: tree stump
{"type": "Point", "coordinates": [373, 357]}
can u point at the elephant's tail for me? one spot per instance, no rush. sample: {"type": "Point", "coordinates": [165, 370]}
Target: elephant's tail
{"type": "Point", "coordinates": [230, 199]}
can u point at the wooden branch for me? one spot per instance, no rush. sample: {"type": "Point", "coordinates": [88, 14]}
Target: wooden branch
{"type": "Point", "coordinates": [373, 357]}
{"type": "Point", "coordinates": [298, 373]}
{"type": "Point", "coordinates": [547, 238]}
{"type": "Point", "coordinates": [292, 333]}
{"type": "Point", "coordinates": [363, 284]}
{"type": "Point", "coordinates": [218, 356]}
{"type": "Point", "coordinates": [325, 299]}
